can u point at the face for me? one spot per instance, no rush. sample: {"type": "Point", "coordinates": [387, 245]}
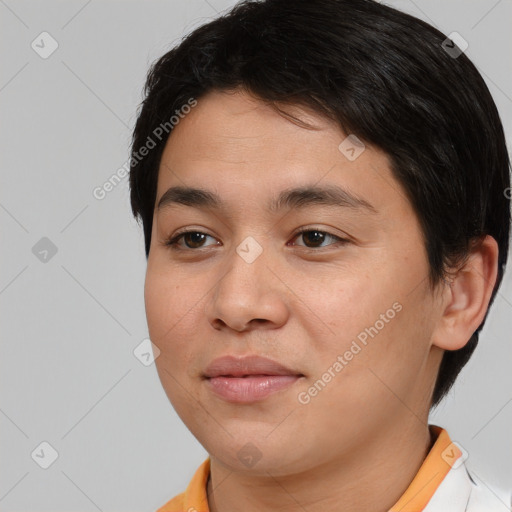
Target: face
{"type": "Point", "coordinates": [344, 305]}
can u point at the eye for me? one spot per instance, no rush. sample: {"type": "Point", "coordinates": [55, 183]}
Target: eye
{"type": "Point", "coordinates": [195, 239]}
{"type": "Point", "coordinates": [192, 240]}
{"type": "Point", "coordinates": [315, 237]}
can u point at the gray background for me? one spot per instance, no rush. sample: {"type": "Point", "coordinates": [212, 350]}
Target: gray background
{"type": "Point", "coordinates": [70, 324]}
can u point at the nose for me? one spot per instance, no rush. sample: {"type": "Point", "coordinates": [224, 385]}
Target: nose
{"type": "Point", "coordinates": [248, 293]}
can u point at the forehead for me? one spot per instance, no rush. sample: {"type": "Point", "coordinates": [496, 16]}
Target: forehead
{"type": "Point", "coordinates": [237, 145]}
{"type": "Point", "coordinates": [229, 124]}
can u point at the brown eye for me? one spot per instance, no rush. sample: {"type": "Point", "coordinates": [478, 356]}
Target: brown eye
{"type": "Point", "coordinates": [191, 239]}
{"type": "Point", "coordinates": [313, 238]}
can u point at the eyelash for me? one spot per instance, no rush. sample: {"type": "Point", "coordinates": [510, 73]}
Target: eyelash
{"type": "Point", "coordinates": [172, 242]}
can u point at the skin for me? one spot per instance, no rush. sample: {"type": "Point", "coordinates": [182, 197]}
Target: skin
{"type": "Point", "coordinates": [301, 303]}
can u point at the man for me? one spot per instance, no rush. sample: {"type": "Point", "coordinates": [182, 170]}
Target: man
{"type": "Point", "coordinates": [326, 226]}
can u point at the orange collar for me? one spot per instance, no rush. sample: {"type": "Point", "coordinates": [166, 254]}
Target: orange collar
{"type": "Point", "coordinates": [430, 475]}
{"type": "Point", "coordinates": [432, 472]}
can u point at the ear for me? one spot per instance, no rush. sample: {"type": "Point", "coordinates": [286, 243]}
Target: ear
{"type": "Point", "coordinates": [465, 299]}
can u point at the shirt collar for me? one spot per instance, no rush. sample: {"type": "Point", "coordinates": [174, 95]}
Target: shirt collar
{"type": "Point", "coordinates": [432, 472]}
{"type": "Point", "coordinates": [440, 459]}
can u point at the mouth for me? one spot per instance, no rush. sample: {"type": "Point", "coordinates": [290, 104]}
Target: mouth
{"type": "Point", "coordinates": [248, 379]}
{"type": "Point", "coordinates": [232, 366]}
{"type": "Point", "coordinates": [249, 388]}
{"type": "Point", "coordinates": [239, 375]}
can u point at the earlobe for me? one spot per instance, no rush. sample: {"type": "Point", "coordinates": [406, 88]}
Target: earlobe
{"type": "Point", "coordinates": [466, 298]}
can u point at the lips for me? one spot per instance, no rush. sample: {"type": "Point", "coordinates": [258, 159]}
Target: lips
{"type": "Point", "coordinates": [248, 379]}
{"type": "Point", "coordinates": [231, 366]}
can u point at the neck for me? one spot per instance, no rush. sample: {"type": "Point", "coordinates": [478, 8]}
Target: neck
{"type": "Point", "coordinates": [374, 478]}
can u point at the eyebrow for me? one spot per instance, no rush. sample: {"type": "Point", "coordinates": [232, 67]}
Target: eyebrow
{"type": "Point", "coordinates": [294, 198]}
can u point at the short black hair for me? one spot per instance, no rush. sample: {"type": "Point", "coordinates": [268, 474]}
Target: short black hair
{"type": "Point", "coordinates": [383, 75]}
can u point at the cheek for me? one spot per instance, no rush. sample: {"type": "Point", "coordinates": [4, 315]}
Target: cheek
{"type": "Point", "coordinates": [166, 314]}
{"type": "Point", "coordinates": [171, 310]}
{"type": "Point", "coordinates": [173, 305]}
{"type": "Point", "coordinates": [390, 367]}
{"type": "Point", "coordinates": [158, 299]}
{"type": "Point", "coordinates": [342, 308]}
{"type": "Point", "coordinates": [374, 325]}
{"type": "Point", "coordinates": [167, 299]}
